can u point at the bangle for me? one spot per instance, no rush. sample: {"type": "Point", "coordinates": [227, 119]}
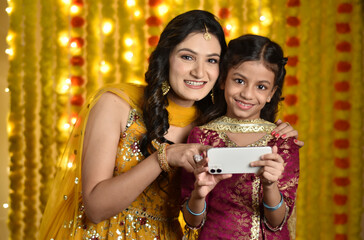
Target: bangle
{"type": "Point", "coordinates": [162, 158]}
{"type": "Point", "coordinates": [193, 213]}
{"type": "Point", "coordinates": [275, 207]}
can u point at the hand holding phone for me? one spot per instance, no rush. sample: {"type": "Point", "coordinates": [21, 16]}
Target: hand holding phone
{"type": "Point", "coordinates": [234, 159]}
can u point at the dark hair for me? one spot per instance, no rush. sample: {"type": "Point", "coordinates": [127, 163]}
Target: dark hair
{"type": "Point", "coordinates": [251, 48]}
{"type": "Point", "coordinates": [154, 105]}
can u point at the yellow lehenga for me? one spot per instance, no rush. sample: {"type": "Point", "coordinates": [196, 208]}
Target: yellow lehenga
{"type": "Point", "coordinates": [153, 215]}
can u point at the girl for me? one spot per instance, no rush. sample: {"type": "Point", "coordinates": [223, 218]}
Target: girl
{"type": "Point", "coordinates": [245, 206]}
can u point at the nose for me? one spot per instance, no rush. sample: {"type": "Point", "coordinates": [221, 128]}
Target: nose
{"type": "Point", "coordinates": [198, 70]}
{"type": "Point", "coordinates": [247, 92]}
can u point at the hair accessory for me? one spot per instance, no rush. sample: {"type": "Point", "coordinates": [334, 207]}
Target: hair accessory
{"type": "Point", "coordinates": [165, 87]}
{"type": "Point", "coordinates": [162, 158]}
{"type": "Point", "coordinates": [206, 35]}
{"type": "Point", "coordinates": [193, 213]}
{"type": "Point", "coordinates": [275, 207]}
{"type": "Point", "coordinates": [284, 61]}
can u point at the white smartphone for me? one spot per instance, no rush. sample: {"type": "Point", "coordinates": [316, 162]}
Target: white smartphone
{"type": "Point", "coordinates": [234, 159]}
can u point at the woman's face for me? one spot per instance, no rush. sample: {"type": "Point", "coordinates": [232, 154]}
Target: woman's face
{"type": "Point", "coordinates": [248, 87]}
{"type": "Point", "coordinates": [194, 68]}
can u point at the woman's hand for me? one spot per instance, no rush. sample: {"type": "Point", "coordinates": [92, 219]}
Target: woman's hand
{"type": "Point", "coordinates": [181, 155]}
{"type": "Point", "coordinates": [205, 181]}
{"type": "Point", "coordinates": [272, 167]}
{"type": "Point", "coordinates": [285, 130]}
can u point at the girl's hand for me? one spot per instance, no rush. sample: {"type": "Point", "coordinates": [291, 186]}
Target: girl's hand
{"type": "Point", "coordinates": [205, 181]}
{"type": "Point", "coordinates": [285, 130]}
{"type": "Point", "coordinates": [181, 155]}
{"type": "Point", "coordinates": [272, 167]}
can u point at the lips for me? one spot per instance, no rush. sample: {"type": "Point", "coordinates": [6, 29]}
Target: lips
{"type": "Point", "coordinates": [243, 105]}
{"type": "Point", "coordinates": [194, 84]}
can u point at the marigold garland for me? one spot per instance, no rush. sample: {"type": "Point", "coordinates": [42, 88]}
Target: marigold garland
{"type": "Point", "coordinates": [30, 100]}
{"type": "Point", "coordinates": [15, 120]}
{"type": "Point", "coordinates": [47, 108]}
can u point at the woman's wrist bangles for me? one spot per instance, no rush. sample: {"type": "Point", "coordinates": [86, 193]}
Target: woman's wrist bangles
{"type": "Point", "coordinates": [193, 213]}
{"type": "Point", "coordinates": [275, 207]}
{"type": "Point", "coordinates": [162, 158]}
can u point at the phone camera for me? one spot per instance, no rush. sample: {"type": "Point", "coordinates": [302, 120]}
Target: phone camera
{"type": "Point", "coordinates": [212, 171]}
{"type": "Point", "coordinates": [219, 170]}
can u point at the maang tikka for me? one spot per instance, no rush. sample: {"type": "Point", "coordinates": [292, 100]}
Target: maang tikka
{"type": "Point", "coordinates": [206, 35]}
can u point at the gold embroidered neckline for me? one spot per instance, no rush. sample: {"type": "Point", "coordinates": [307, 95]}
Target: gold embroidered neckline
{"type": "Point", "coordinates": [227, 124]}
{"type": "Point", "coordinates": [181, 116]}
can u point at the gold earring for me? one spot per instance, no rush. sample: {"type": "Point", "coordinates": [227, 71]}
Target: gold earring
{"type": "Point", "coordinates": [212, 97]}
{"type": "Point", "coordinates": [165, 87]}
{"type": "Point", "coordinates": [268, 100]}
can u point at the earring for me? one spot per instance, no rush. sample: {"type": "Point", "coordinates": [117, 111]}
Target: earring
{"type": "Point", "coordinates": [165, 87]}
{"type": "Point", "coordinates": [212, 97]}
{"type": "Point", "coordinates": [268, 99]}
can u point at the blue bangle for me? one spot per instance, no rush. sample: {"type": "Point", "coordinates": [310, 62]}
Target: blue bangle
{"type": "Point", "coordinates": [193, 213]}
{"type": "Point", "coordinates": [275, 207]}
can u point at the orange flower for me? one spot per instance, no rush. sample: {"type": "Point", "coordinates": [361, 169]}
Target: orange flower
{"type": "Point", "coordinates": [154, 3]}
{"type": "Point", "coordinates": [292, 118]}
{"type": "Point", "coordinates": [341, 218]}
{"type": "Point", "coordinates": [77, 61]}
{"type": "Point", "coordinates": [341, 125]}
{"type": "Point", "coordinates": [77, 21]}
{"type": "Point", "coordinates": [342, 27]}
{"type": "Point", "coordinates": [342, 105]}
{"type": "Point", "coordinates": [153, 21]}
{"type": "Point", "coordinates": [291, 80]}
{"type": "Point", "coordinates": [345, 8]}
{"type": "Point", "coordinates": [77, 80]}
{"type": "Point", "coordinates": [343, 66]}
{"type": "Point", "coordinates": [224, 13]}
{"type": "Point", "coordinates": [292, 61]}
{"type": "Point", "coordinates": [77, 100]}
{"type": "Point", "coordinates": [341, 236]}
{"type": "Point", "coordinates": [343, 86]}
{"type": "Point", "coordinates": [342, 143]}
{"type": "Point", "coordinates": [293, 3]}
{"type": "Point", "coordinates": [340, 199]}
{"type": "Point", "coordinates": [342, 163]}
{"type": "Point", "coordinates": [290, 99]}
{"type": "Point", "coordinates": [293, 21]}
{"type": "Point", "coordinates": [78, 40]}
{"type": "Point", "coordinates": [343, 47]}
{"type": "Point", "coordinates": [153, 41]}
{"type": "Point", "coordinates": [293, 42]}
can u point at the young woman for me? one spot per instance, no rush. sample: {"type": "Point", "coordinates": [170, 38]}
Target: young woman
{"type": "Point", "coordinates": [245, 206]}
{"type": "Point", "coordinates": [123, 180]}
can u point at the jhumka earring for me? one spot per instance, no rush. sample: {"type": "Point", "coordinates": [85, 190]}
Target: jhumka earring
{"type": "Point", "coordinates": [206, 35]}
{"type": "Point", "coordinates": [165, 87]}
{"type": "Point", "coordinates": [212, 97]}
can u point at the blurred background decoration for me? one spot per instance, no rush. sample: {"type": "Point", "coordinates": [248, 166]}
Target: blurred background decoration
{"type": "Point", "coordinates": [60, 51]}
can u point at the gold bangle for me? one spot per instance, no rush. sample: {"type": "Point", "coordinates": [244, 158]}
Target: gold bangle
{"type": "Point", "coordinates": [162, 158]}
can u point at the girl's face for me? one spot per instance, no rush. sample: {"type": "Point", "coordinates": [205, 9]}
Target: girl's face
{"type": "Point", "coordinates": [248, 87]}
{"type": "Point", "coordinates": [194, 68]}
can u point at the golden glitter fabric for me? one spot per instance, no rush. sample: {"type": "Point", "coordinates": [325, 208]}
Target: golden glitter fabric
{"type": "Point", "coordinates": [153, 215]}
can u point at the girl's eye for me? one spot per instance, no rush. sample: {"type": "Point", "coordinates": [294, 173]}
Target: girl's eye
{"type": "Point", "coordinates": [187, 57]}
{"type": "Point", "coordinates": [240, 81]}
{"type": "Point", "coordinates": [262, 87]}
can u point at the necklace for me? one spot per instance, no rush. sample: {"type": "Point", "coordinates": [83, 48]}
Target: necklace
{"type": "Point", "coordinates": [227, 124]}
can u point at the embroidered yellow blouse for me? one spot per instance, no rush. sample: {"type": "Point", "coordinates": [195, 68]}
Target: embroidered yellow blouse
{"type": "Point", "coordinates": [153, 215]}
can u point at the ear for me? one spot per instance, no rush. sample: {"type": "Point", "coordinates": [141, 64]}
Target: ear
{"type": "Point", "coordinates": [271, 94]}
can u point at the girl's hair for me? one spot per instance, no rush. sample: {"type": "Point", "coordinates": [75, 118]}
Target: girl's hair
{"type": "Point", "coordinates": [251, 48]}
{"type": "Point", "coordinates": [154, 105]}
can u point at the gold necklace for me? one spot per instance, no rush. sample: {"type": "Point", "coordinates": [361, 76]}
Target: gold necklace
{"type": "Point", "coordinates": [227, 124]}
